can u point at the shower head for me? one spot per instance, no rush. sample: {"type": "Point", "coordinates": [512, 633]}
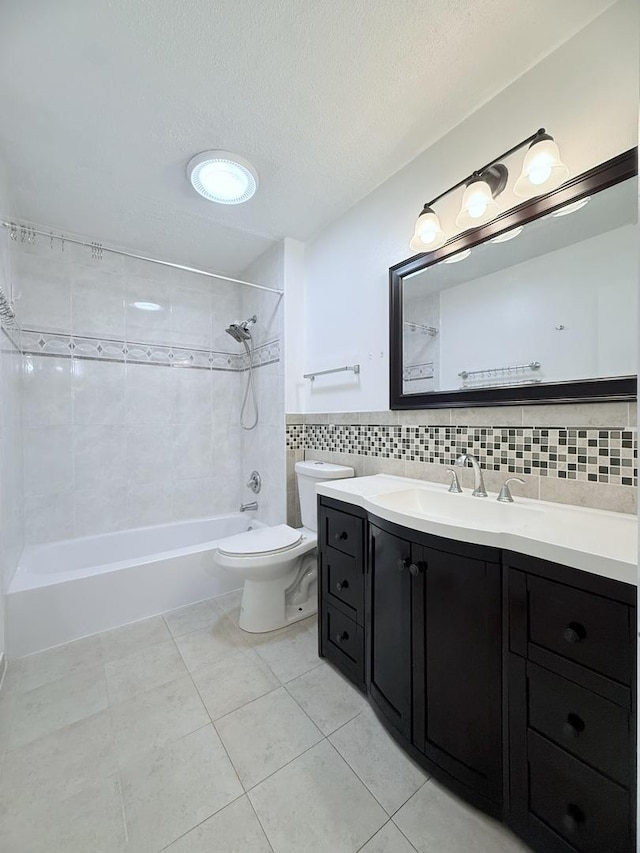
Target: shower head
{"type": "Point", "coordinates": [240, 331]}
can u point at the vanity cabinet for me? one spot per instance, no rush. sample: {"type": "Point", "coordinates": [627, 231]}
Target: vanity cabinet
{"type": "Point", "coordinates": [571, 689]}
{"type": "Point", "coordinates": [509, 678]}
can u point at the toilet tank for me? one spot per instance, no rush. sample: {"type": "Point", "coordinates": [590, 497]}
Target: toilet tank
{"type": "Point", "coordinates": [308, 473]}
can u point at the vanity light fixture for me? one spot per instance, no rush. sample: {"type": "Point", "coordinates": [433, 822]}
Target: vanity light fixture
{"type": "Point", "coordinates": [428, 234]}
{"type": "Point", "coordinates": [571, 208]}
{"type": "Point", "coordinates": [222, 177]}
{"type": "Point", "coordinates": [479, 199]}
{"type": "Point", "coordinates": [542, 171]}
{"type": "Point", "coordinates": [508, 235]}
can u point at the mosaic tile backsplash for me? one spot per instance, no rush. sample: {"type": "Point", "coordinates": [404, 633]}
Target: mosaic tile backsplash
{"type": "Point", "coordinates": [591, 455]}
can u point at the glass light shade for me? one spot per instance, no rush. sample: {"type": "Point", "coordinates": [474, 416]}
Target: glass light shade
{"type": "Point", "coordinates": [460, 256]}
{"type": "Point", "coordinates": [542, 170]}
{"type": "Point", "coordinates": [572, 208]}
{"type": "Point", "coordinates": [478, 205]}
{"type": "Point", "coordinates": [508, 235]}
{"type": "Point", "coordinates": [428, 234]}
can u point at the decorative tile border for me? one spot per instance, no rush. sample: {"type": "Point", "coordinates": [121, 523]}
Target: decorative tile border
{"type": "Point", "coordinates": [106, 349]}
{"type": "Point", "coordinates": [590, 455]}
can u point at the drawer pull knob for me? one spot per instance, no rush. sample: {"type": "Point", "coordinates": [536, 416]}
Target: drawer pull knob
{"type": "Point", "coordinates": [342, 585]}
{"type": "Point", "coordinates": [341, 536]}
{"type": "Point", "coordinates": [342, 636]}
{"type": "Point", "coordinates": [417, 568]}
{"type": "Point", "coordinates": [574, 632]}
{"type": "Point", "coordinates": [573, 727]}
{"type": "Point", "coordinates": [404, 563]}
{"type": "Point", "coordinates": [572, 819]}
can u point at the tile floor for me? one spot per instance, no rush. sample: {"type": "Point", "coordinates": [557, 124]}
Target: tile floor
{"type": "Point", "coordinates": [182, 733]}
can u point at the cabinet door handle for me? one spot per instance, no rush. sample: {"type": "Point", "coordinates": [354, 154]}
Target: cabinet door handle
{"type": "Point", "coordinates": [574, 633]}
{"type": "Point", "coordinates": [342, 636]}
{"type": "Point", "coordinates": [572, 819]}
{"type": "Point", "coordinates": [341, 536]}
{"type": "Point", "coordinates": [342, 585]}
{"type": "Point", "coordinates": [417, 568]}
{"type": "Point", "coordinates": [404, 563]}
{"type": "Point", "coordinates": [572, 727]}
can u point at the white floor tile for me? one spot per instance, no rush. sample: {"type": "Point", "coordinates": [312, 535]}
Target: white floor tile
{"type": "Point", "coordinates": [151, 719]}
{"type": "Point", "coordinates": [59, 662]}
{"type": "Point", "coordinates": [389, 840]}
{"type": "Point", "coordinates": [290, 653]}
{"type": "Point", "coordinates": [317, 804]}
{"type": "Point", "coordinates": [235, 829]}
{"type": "Point", "coordinates": [383, 767]}
{"type": "Point", "coordinates": [264, 735]}
{"type": "Point", "coordinates": [231, 683]}
{"type": "Point", "coordinates": [219, 641]}
{"type": "Point", "coordinates": [59, 764]}
{"type": "Point", "coordinates": [327, 698]}
{"type": "Point", "coordinates": [169, 791]}
{"type": "Point", "coordinates": [433, 819]}
{"type": "Point", "coordinates": [195, 617]}
{"type": "Point", "coordinates": [90, 820]}
{"type": "Point", "coordinates": [143, 670]}
{"type": "Point", "coordinates": [56, 704]}
{"type": "Point", "coordinates": [125, 641]}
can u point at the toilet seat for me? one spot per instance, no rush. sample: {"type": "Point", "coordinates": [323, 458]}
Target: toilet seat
{"type": "Point", "coordinates": [261, 541]}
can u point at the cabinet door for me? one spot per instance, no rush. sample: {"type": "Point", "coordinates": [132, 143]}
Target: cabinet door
{"type": "Point", "coordinates": [389, 626]}
{"type": "Point", "coordinates": [457, 698]}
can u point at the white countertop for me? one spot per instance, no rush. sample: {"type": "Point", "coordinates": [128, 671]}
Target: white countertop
{"type": "Point", "coordinates": [595, 541]}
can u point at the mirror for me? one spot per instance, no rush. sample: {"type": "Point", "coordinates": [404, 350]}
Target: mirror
{"type": "Point", "coordinates": [544, 309]}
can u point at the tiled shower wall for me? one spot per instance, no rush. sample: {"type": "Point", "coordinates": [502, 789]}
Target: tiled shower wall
{"type": "Point", "coordinates": [11, 488]}
{"type": "Point", "coordinates": [583, 454]}
{"type": "Point", "coordinates": [131, 416]}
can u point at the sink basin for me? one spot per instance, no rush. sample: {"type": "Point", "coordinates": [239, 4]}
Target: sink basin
{"type": "Point", "coordinates": [457, 509]}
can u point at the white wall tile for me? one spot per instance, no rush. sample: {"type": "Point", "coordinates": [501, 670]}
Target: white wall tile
{"type": "Point", "coordinates": [48, 460]}
{"type": "Point", "coordinates": [149, 453]}
{"type": "Point", "coordinates": [97, 303]}
{"type": "Point", "coordinates": [99, 457]}
{"type": "Point", "coordinates": [98, 392]}
{"type": "Point", "coordinates": [46, 398]}
{"type": "Point", "coordinates": [101, 510]}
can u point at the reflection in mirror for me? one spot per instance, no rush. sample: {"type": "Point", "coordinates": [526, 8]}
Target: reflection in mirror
{"type": "Point", "coordinates": [556, 303]}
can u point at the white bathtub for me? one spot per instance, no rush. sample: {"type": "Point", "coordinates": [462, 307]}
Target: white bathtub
{"type": "Point", "coordinates": [66, 590]}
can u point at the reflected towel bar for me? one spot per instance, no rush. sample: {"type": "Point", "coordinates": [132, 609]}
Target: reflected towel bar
{"type": "Point", "coordinates": [354, 367]}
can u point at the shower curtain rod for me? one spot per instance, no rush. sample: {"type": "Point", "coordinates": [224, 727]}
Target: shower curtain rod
{"type": "Point", "coordinates": [99, 248]}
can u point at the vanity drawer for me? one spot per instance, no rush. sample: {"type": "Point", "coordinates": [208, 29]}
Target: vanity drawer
{"type": "Point", "coordinates": [342, 582]}
{"type": "Point", "coordinates": [586, 725]}
{"type": "Point", "coordinates": [588, 629]}
{"type": "Point", "coordinates": [343, 643]}
{"type": "Point", "coordinates": [343, 531]}
{"type": "Point", "coordinates": [591, 813]}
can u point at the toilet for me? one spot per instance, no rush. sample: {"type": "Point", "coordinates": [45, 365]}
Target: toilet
{"type": "Point", "coordinates": [279, 564]}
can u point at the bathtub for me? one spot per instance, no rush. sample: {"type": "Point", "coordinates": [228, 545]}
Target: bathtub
{"type": "Point", "coordinates": [66, 590]}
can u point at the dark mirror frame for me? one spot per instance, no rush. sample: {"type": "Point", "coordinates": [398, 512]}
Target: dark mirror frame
{"type": "Point", "coordinates": [601, 177]}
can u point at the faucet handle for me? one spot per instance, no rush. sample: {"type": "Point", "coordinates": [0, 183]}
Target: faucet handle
{"type": "Point", "coordinates": [505, 495]}
{"type": "Point", "coordinates": [455, 483]}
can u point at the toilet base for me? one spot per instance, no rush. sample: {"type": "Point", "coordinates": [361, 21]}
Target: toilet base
{"type": "Point", "coordinates": [264, 607]}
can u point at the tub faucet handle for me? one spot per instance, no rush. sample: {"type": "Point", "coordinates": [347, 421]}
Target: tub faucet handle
{"type": "Point", "coordinates": [255, 482]}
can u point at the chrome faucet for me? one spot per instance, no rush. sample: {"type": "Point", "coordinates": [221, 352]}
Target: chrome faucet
{"type": "Point", "coordinates": [479, 490]}
{"type": "Point", "coordinates": [250, 507]}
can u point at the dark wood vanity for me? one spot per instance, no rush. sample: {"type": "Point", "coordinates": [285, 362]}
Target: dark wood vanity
{"type": "Point", "coordinates": [509, 678]}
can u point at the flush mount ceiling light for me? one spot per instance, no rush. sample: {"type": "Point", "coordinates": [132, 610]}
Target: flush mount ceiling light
{"type": "Point", "coordinates": [428, 234]}
{"type": "Point", "coordinates": [571, 208]}
{"type": "Point", "coordinates": [147, 306]}
{"type": "Point", "coordinates": [542, 171]}
{"type": "Point", "coordinates": [222, 177]}
{"type": "Point", "coordinates": [508, 235]}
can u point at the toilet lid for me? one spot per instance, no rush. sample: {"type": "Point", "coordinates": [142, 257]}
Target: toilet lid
{"type": "Point", "coordinates": [262, 540]}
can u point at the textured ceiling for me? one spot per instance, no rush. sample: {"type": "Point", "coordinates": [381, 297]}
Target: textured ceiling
{"type": "Point", "coordinates": [103, 103]}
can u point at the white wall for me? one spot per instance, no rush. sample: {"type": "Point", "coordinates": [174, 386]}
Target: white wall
{"type": "Point", "coordinates": [11, 488]}
{"type": "Point", "coordinates": [585, 94]}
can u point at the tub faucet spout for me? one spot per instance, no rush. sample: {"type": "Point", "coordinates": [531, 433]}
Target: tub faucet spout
{"type": "Point", "coordinates": [250, 507]}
